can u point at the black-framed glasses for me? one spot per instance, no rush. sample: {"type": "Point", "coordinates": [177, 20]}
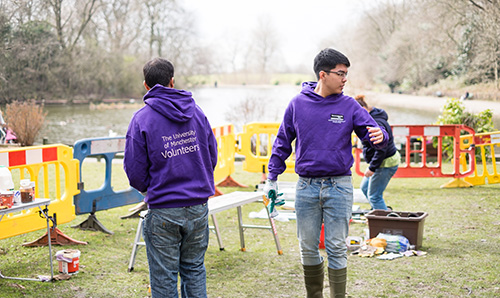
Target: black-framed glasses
{"type": "Point", "coordinates": [339, 73]}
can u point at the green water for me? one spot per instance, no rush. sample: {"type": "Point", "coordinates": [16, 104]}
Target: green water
{"type": "Point", "coordinates": [68, 124]}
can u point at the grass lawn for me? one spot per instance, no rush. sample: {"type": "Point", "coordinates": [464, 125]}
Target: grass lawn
{"type": "Point", "coordinates": [461, 238]}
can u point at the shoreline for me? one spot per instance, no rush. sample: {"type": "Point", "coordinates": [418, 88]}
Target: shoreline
{"type": "Point", "coordinates": [429, 103]}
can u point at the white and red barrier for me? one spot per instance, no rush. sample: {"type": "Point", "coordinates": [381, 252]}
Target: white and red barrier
{"type": "Point", "coordinates": [424, 168]}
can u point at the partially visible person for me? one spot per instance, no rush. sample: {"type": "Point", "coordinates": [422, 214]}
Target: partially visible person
{"type": "Point", "coordinates": [3, 129]}
{"type": "Point", "coordinates": [320, 120]}
{"type": "Point", "coordinates": [466, 96]}
{"type": "Point", "coordinates": [170, 154]}
{"type": "Point", "coordinates": [382, 162]}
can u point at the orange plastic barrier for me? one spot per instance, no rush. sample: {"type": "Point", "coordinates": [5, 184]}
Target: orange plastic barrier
{"type": "Point", "coordinates": [226, 147]}
{"type": "Point", "coordinates": [407, 134]}
{"type": "Point", "coordinates": [485, 170]}
{"type": "Point", "coordinates": [55, 173]}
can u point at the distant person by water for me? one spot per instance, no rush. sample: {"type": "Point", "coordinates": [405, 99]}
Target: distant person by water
{"type": "Point", "coordinates": [466, 96]}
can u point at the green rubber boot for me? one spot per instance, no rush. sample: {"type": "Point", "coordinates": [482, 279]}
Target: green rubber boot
{"type": "Point", "coordinates": [314, 277]}
{"type": "Point", "coordinates": [337, 279]}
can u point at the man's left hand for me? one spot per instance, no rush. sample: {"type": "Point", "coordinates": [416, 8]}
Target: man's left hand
{"type": "Point", "coordinates": [376, 134]}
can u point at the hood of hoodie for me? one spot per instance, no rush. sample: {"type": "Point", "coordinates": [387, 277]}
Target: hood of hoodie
{"type": "Point", "coordinates": [176, 105]}
{"type": "Point", "coordinates": [377, 113]}
{"type": "Point", "coordinates": [308, 89]}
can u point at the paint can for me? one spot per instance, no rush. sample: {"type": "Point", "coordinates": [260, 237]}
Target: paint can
{"type": "Point", "coordinates": [69, 261]}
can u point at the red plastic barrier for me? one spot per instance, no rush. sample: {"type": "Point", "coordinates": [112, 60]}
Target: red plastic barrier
{"type": "Point", "coordinates": [425, 133]}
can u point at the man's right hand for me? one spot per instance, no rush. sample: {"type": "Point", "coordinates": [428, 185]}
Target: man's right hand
{"type": "Point", "coordinates": [271, 185]}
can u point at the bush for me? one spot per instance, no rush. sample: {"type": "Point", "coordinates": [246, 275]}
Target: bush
{"type": "Point", "coordinates": [25, 119]}
{"type": "Point", "coordinates": [454, 113]}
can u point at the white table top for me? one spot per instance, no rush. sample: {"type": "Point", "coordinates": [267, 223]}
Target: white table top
{"type": "Point", "coordinates": [35, 203]}
{"type": "Point", "coordinates": [232, 200]}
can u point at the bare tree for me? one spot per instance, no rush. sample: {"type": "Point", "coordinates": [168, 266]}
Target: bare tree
{"type": "Point", "coordinates": [417, 43]}
{"type": "Point", "coordinates": [21, 11]}
{"type": "Point", "coordinates": [234, 52]}
{"type": "Point", "coordinates": [70, 20]}
{"type": "Point", "coordinates": [162, 18]}
{"type": "Point", "coordinates": [488, 23]}
{"type": "Point", "coordinates": [249, 110]}
{"type": "Point", "coordinates": [121, 23]}
{"type": "Point", "coordinates": [265, 40]}
{"type": "Point", "coordinates": [172, 35]}
{"type": "Point", "coordinates": [473, 27]}
{"type": "Point", "coordinates": [376, 46]}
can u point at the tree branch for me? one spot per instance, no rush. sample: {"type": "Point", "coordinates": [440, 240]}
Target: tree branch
{"type": "Point", "coordinates": [476, 5]}
{"type": "Point", "coordinates": [87, 16]}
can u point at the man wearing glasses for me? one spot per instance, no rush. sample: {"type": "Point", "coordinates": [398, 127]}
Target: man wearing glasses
{"type": "Point", "coordinates": [321, 120]}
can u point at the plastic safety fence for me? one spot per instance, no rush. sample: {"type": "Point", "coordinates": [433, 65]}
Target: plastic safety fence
{"type": "Point", "coordinates": [485, 171]}
{"type": "Point", "coordinates": [103, 198]}
{"type": "Point", "coordinates": [255, 143]}
{"type": "Point", "coordinates": [55, 174]}
{"type": "Point", "coordinates": [226, 147]}
{"type": "Point", "coordinates": [423, 154]}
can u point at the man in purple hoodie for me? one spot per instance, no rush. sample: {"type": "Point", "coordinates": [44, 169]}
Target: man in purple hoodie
{"type": "Point", "coordinates": [170, 154]}
{"type": "Point", "coordinates": [321, 120]}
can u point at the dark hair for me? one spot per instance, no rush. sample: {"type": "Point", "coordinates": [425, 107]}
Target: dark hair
{"type": "Point", "coordinates": [328, 59]}
{"type": "Point", "coordinates": [361, 100]}
{"type": "Point", "coordinates": [158, 71]}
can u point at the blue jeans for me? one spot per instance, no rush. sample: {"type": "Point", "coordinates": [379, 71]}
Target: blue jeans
{"type": "Point", "coordinates": [176, 241]}
{"type": "Point", "coordinates": [328, 200]}
{"type": "Point", "coordinates": [373, 187]}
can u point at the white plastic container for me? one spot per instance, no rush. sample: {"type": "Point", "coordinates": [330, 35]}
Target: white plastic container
{"type": "Point", "coordinates": [6, 182]}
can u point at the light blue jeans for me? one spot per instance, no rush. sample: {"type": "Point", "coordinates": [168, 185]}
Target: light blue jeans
{"type": "Point", "coordinates": [176, 242]}
{"type": "Point", "coordinates": [373, 187]}
{"type": "Point", "coordinates": [328, 200]}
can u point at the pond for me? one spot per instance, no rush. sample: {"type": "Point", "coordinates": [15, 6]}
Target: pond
{"type": "Point", "coordinates": [68, 123]}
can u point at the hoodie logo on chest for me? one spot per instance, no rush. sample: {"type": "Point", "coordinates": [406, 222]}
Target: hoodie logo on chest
{"type": "Point", "coordinates": [336, 118]}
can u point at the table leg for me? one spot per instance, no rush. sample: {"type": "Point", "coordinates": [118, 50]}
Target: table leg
{"type": "Point", "coordinates": [50, 243]}
{"type": "Point", "coordinates": [240, 226]}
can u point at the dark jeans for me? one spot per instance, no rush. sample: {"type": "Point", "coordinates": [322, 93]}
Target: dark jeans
{"type": "Point", "coordinates": [176, 242]}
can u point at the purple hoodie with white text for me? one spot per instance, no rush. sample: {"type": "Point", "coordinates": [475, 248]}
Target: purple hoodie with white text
{"type": "Point", "coordinates": [322, 129]}
{"type": "Point", "coordinates": [170, 150]}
